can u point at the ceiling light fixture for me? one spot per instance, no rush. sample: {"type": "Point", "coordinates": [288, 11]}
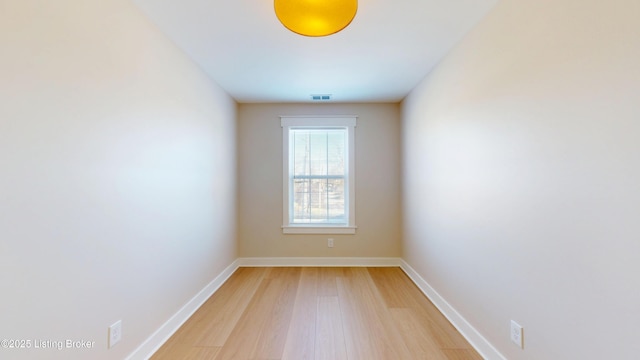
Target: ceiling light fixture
{"type": "Point", "coordinates": [315, 17]}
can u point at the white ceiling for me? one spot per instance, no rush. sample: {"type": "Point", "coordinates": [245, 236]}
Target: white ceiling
{"type": "Point", "coordinates": [388, 48]}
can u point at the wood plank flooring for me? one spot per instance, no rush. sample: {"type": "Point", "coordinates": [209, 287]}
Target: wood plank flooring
{"type": "Point", "coordinates": [317, 313]}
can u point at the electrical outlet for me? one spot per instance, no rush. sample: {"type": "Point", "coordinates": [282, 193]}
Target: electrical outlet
{"type": "Point", "coordinates": [330, 243]}
{"type": "Point", "coordinates": [115, 333]}
{"type": "Point", "coordinates": [517, 334]}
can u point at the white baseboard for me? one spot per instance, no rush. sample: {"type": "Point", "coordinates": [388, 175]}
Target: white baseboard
{"type": "Point", "coordinates": [160, 336]}
{"type": "Point", "coordinates": [319, 261]}
{"type": "Point", "coordinates": [482, 346]}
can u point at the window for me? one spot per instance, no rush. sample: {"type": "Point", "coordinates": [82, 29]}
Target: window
{"type": "Point", "coordinates": [318, 175]}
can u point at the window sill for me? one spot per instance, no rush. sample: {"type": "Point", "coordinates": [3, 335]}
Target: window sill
{"type": "Point", "coordinates": [348, 230]}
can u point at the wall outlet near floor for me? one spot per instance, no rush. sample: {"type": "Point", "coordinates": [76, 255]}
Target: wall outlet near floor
{"type": "Point", "coordinates": [115, 333]}
{"type": "Point", "coordinates": [517, 334]}
{"type": "Point", "coordinates": [330, 242]}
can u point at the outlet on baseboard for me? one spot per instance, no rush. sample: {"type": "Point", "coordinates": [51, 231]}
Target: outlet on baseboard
{"type": "Point", "coordinates": [115, 333]}
{"type": "Point", "coordinates": [330, 242]}
{"type": "Point", "coordinates": [517, 334]}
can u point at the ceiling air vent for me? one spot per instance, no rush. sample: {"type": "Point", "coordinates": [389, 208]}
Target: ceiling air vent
{"type": "Point", "coordinates": [321, 97]}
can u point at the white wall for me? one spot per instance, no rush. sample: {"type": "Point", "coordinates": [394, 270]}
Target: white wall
{"type": "Point", "coordinates": [522, 178]}
{"type": "Point", "coordinates": [117, 176]}
{"type": "Point", "coordinates": [377, 147]}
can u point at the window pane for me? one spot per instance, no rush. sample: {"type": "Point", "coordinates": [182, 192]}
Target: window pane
{"type": "Point", "coordinates": [301, 203]}
{"type": "Point", "coordinates": [318, 152]}
{"type": "Point", "coordinates": [335, 201]}
{"type": "Point", "coordinates": [300, 152]}
{"type": "Point", "coordinates": [318, 167]}
{"type": "Point", "coordinates": [336, 152]}
{"type": "Point", "coordinates": [318, 201]}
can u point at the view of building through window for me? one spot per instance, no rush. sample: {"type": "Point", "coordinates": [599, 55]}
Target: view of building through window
{"type": "Point", "coordinates": [319, 175]}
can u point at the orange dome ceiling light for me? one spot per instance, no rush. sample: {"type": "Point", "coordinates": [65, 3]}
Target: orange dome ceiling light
{"type": "Point", "coordinates": [315, 17]}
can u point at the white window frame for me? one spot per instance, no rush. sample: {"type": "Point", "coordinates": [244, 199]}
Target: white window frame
{"type": "Point", "coordinates": [319, 122]}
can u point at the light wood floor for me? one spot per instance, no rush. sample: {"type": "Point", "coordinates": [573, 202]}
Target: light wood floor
{"type": "Point", "coordinates": [317, 313]}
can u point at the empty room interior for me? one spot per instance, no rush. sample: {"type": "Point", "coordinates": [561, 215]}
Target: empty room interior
{"type": "Point", "coordinates": [492, 158]}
